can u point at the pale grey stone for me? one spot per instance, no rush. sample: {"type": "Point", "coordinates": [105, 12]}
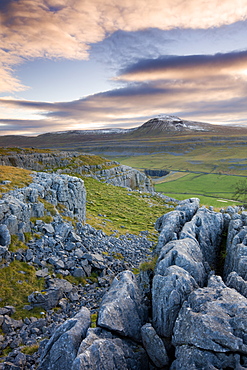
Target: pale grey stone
{"type": "Point", "coordinates": [47, 299]}
{"type": "Point", "coordinates": [237, 282]}
{"type": "Point", "coordinates": [206, 227]}
{"type": "Point", "coordinates": [108, 346]}
{"type": "Point", "coordinates": [168, 294]}
{"type": "Point", "coordinates": [103, 354]}
{"type": "Point", "coordinates": [186, 254]}
{"type": "Point", "coordinates": [213, 319]}
{"type": "Point", "coordinates": [5, 238]}
{"type": "Point", "coordinates": [154, 346]}
{"type": "Point", "coordinates": [122, 309]}
{"type": "Point", "coordinates": [61, 350]}
{"type": "Point", "coordinates": [193, 358]}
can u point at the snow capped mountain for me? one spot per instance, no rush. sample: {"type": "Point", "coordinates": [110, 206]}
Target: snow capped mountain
{"type": "Point", "coordinates": [160, 124]}
{"type": "Point", "coordinates": [166, 123]}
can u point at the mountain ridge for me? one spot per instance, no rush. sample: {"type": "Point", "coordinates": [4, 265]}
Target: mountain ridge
{"type": "Point", "coordinates": [156, 132]}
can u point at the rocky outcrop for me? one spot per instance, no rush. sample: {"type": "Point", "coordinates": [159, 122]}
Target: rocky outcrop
{"type": "Point", "coordinates": [154, 346]}
{"type": "Point", "coordinates": [212, 325]}
{"type": "Point", "coordinates": [168, 294]}
{"type": "Point", "coordinates": [185, 253]}
{"type": "Point", "coordinates": [126, 177]}
{"type": "Point", "coordinates": [170, 224]}
{"type": "Point", "coordinates": [179, 316]}
{"type": "Point", "coordinates": [156, 173]}
{"type": "Point", "coordinates": [19, 206]}
{"type": "Point", "coordinates": [74, 162]}
{"type": "Point", "coordinates": [49, 160]}
{"type": "Point", "coordinates": [102, 349]}
{"type": "Point", "coordinates": [78, 252]}
{"type": "Point", "coordinates": [61, 349]}
{"type": "Point", "coordinates": [181, 273]}
{"type": "Point", "coordinates": [206, 227]}
{"type": "Point", "coordinates": [236, 248]}
{"type": "Point", "coordinates": [122, 313]}
{"type": "Point", "coordinates": [123, 309]}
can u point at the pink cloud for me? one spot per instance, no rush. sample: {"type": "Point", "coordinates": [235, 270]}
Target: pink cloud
{"type": "Point", "coordinates": [65, 29]}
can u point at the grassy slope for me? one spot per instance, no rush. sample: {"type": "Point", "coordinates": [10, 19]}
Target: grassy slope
{"type": "Point", "coordinates": [17, 281]}
{"type": "Point", "coordinates": [18, 177]}
{"type": "Point", "coordinates": [124, 211]}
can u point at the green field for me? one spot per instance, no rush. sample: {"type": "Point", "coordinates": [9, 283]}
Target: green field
{"type": "Point", "coordinates": [209, 172]}
{"type": "Point", "coordinates": [212, 189]}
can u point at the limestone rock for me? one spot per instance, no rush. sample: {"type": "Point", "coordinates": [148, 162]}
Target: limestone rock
{"type": "Point", "coordinates": [213, 319]}
{"type": "Point", "coordinates": [61, 349]}
{"type": "Point", "coordinates": [169, 225]}
{"type": "Point", "coordinates": [189, 207]}
{"type": "Point", "coordinates": [47, 299]}
{"type": "Point", "coordinates": [236, 259]}
{"type": "Point", "coordinates": [186, 254]}
{"type": "Point", "coordinates": [154, 346]}
{"type": "Point", "coordinates": [122, 309]}
{"type": "Point", "coordinates": [206, 227]}
{"type": "Point", "coordinates": [103, 350]}
{"type": "Point", "coordinates": [102, 354]}
{"type": "Point", "coordinates": [5, 238]}
{"type": "Point", "coordinates": [168, 294]}
{"type": "Point", "coordinates": [237, 282]}
{"type": "Point", "coordinates": [193, 358]}
{"type": "Point", "coordinates": [126, 176]}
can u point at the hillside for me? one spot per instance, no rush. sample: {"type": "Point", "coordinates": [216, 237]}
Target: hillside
{"type": "Point", "coordinates": [153, 136]}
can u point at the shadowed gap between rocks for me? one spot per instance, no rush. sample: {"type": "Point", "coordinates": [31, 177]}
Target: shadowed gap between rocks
{"type": "Point", "coordinates": [221, 255]}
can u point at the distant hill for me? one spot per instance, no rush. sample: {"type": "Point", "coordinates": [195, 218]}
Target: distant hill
{"type": "Point", "coordinates": [147, 138]}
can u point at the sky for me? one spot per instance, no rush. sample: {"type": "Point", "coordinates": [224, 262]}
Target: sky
{"type": "Point", "coordinates": [80, 64]}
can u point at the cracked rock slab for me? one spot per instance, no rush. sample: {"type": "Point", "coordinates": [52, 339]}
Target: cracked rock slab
{"type": "Point", "coordinates": [213, 319]}
{"type": "Point", "coordinates": [122, 309]}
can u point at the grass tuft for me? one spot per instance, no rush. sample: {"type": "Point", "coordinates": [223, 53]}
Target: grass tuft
{"type": "Point", "coordinates": [149, 265]}
{"type": "Point", "coordinates": [17, 281]}
{"type": "Point", "coordinates": [16, 244]}
{"type": "Point", "coordinates": [30, 350]}
{"type": "Point", "coordinates": [18, 178]}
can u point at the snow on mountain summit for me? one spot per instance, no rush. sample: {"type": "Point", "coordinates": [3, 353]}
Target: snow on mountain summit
{"type": "Point", "coordinates": [167, 123]}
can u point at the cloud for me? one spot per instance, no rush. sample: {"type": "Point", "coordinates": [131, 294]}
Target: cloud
{"type": "Point", "coordinates": [67, 29]}
{"type": "Point", "coordinates": [217, 99]}
{"type": "Point", "coordinates": [186, 67]}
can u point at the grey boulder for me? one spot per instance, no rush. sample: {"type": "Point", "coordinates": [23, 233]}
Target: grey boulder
{"type": "Point", "coordinates": [237, 282]}
{"type": "Point", "coordinates": [122, 309]}
{"type": "Point", "coordinates": [154, 346]}
{"type": "Point", "coordinates": [61, 350]}
{"type": "Point", "coordinates": [5, 238]}
{"type": "Point", "coordinates": [193, 358]}
{"type": "Point", "coordinates": [186, 254]}
{"type": "Point", "coordinates": [103, 354]}
{"type": "Point", "coordinates": [206, 227]}
{"type": "Point", "coordinates": [47, 299]}
{"type": "Point", "coordinates": [168, 294]}
{"type": "Point", "coordinates": [103, 350]}
{"type": "Point", "coordinates": [213, 319]}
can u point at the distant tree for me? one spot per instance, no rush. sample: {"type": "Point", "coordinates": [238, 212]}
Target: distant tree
{"type": "Point", "coordinates": [240, 192]}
